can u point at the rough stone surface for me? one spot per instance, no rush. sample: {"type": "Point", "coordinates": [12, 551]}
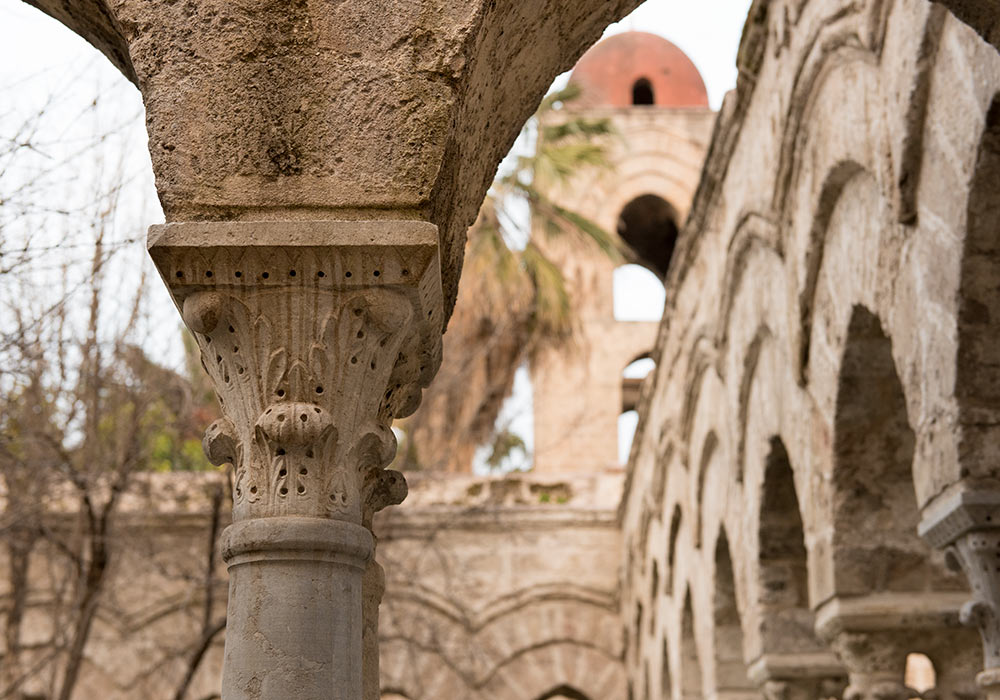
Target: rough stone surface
{"type": "Point", "coordinates": [826, 368]}
{"type": "Point", "coordinates": [823, 373]}
{"type": "Point", "coordinates": [327, 109]}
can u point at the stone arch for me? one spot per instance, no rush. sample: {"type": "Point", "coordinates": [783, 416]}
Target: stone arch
{"type": "Point", "coordinates": [731, 679]}
{"type": "Point", "coordinates": [675, 527]}
{"type": "Point", "coordinates": [977, 382]}
{"type": "Point", "coordinates": [830, 194]}
{"type": "Point", "coordinates": [654, 595]}
{"type": "Point", "coordinates": [563, 692]}
{"type": "Point", "coordinates": [782, 560]}
{"type": "Point", "coordinates": [872, 478]}
{"type": "Point", "coordinates": [543, 670]}
{"type": "Point", "coordinates": [648, 225]}
{"type": "Point", "coordinates": [709, 453]}
{"type": "Point", "coordinates": [690, 668]}
{"type": "Point", "coordinates": [666, 683]}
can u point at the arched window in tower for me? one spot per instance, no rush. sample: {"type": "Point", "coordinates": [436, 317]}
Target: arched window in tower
{"type": "Point", "coordinates": [628, 421]}
{"type": "Point", "coordinates": [642, 92]}
{"type": "Point", "coordinates": [648, 226]}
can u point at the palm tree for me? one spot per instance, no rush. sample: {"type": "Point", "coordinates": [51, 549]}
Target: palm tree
{"type": "Point", "coordinates": [513, 300]}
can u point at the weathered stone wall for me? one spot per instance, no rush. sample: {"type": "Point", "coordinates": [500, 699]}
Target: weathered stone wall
{"type": "Point", "coordinates": [808, 399]}
{"type": "Point", "coordinates": [496, 588]}
{"type": "Point", "coordinates": [502, 588]}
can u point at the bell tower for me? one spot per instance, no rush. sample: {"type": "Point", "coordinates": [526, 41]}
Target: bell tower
{"type": "Point", "coordinates": [585, 394]}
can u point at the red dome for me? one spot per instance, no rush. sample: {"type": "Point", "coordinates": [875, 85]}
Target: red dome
{"type": "Point", "coordinates": [637, 68]}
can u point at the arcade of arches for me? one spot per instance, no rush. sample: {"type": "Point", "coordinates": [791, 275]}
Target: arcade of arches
{"type": "Point", "coordinates": [812, 497]}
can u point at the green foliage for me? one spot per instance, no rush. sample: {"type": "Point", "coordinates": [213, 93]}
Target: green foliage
{"type": "Point", "coordinates": [505, 444]}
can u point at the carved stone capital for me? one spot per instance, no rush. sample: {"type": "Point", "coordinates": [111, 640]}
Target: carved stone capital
{"type": "Point", "coordinates": [966, 524]}
{"type": "Point", "coordinates": [316, 336]}
{"type": "Point", "coordinates": [875, 663]}
{"type": "Point", "coordinates": [803, 676]}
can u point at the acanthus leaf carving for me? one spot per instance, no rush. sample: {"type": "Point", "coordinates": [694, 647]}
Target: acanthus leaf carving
{"type": "Point", "coordinates": [313, 352]}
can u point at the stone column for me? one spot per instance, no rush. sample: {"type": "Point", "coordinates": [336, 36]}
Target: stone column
{"type": "Point", "coordinates": [966, 523]}
{"type": "Point", "coordinates": [316, 336]}
{"type": "Point", "coordinates": [806, 676]}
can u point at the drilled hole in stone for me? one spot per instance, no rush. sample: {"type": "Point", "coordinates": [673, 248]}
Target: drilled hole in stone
{"type": "Point", "coordinates": [319, 390]}
{"type": "Point", "coordinates": [354, 360]}
{"type": "Point", "coordinates": [373, 364]}
{"type": "Point", "coordinates": [236, 348]}
{"type": "Point", "coordinates": [430, 313]}
{"type": "Point", "coordinates": [240, 370]}
{"type": "Point", "coordinates": [303, 472]}
{"type": "Point", "coordinates": [238, 274]}
{"type": "Point", "coordinates": [321, 274]}
{"type": "Point", "coordinates": [268, 411]}
{"type": "Point", "coordinates": [179, 274]}
{"type": "Point", "coordinates": [283, 491]}
{"type": "Point", "coordinates": [218, 358]}
{"type": "Point", "coordinates": [317, 410]}
{"type": "Point", "coordinates": [376, 273]}
{"type": "Point", "coordinates": [309, 454]}
{"type": "Point", "coordinates": [281, 393]}
{"type": "Point", "coordinates": [361, 334]}
{"type": "Point", "coordinates": [303, 418]}
{"type": "Point", "coordinates": [406, 273]}
{"type": "Point", "coordinates": [283, 472]}
{"type": "Point", "coordinates": [232, 330]}
{"type": "Point", "coordinates": [357, 312]}
{"type": "Point", "coordinates": [301, 489]}
{"type": "Point", "coordinates": [208, 273]}
{"type": "Point", "coordinates": [265, 275]}
{"type": "Point", "coordinates": [253, 489]}
{"type": "Point", "coordinates": [291, 273]}
{"type": "Point", "coordinates": [348, 274]}
{"type": "Point", "coordinates": [280, 451]}
{"type": "Point", "coordinates": [281, 418]}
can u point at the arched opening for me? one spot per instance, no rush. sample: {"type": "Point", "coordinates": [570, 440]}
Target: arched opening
{"type": "Point", "coordinates": [675, 526]}
{"type": "Point", "coordinates": [873, 451]}
{"type": "Point", "coordinates": [730, 671]}
{"type": "Point", "coordinates": [638, 294]}
{"type": "Point", "coordinates": [648, 225]}
{"type": "Point", "coordinates": [666, 684]}
{"type": "Point", "coordinates": [690, 662]}
{"type": "Point", "coordinates": [977, 384]}
{"type": "Point", "coordinates": [784, 577]}
{"type": "Point", "coordinates": [627, 424]}
{"type": "Point", "coordinates": [632, 378]}
{"type": "Point", "coordinates": [919, 674]}
{"type": "Point", "coordinates": [563, 692]}
{"type": "Point", "coordinates": [708, 450]}
{"type": "Point", "coordinates": [642, 93]}
{"type": "Point", "coordinates": [654, 595]}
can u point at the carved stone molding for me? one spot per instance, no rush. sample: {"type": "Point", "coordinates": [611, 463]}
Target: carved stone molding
{"type": "Point", "coordinates": [876, 664]}
{"type": "Point", "coordinates": [966, 523]}
{"type": "Point", "coordinates": [805, 676]}
{"type": "Point", "coordinates": [316, 336]}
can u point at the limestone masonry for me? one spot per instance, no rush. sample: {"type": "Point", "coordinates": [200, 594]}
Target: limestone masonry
{"type": "Point", "coordinates": [811, 507]}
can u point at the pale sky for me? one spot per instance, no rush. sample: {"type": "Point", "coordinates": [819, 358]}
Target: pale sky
{"type": "Point", "coordinates": [39, 58]}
